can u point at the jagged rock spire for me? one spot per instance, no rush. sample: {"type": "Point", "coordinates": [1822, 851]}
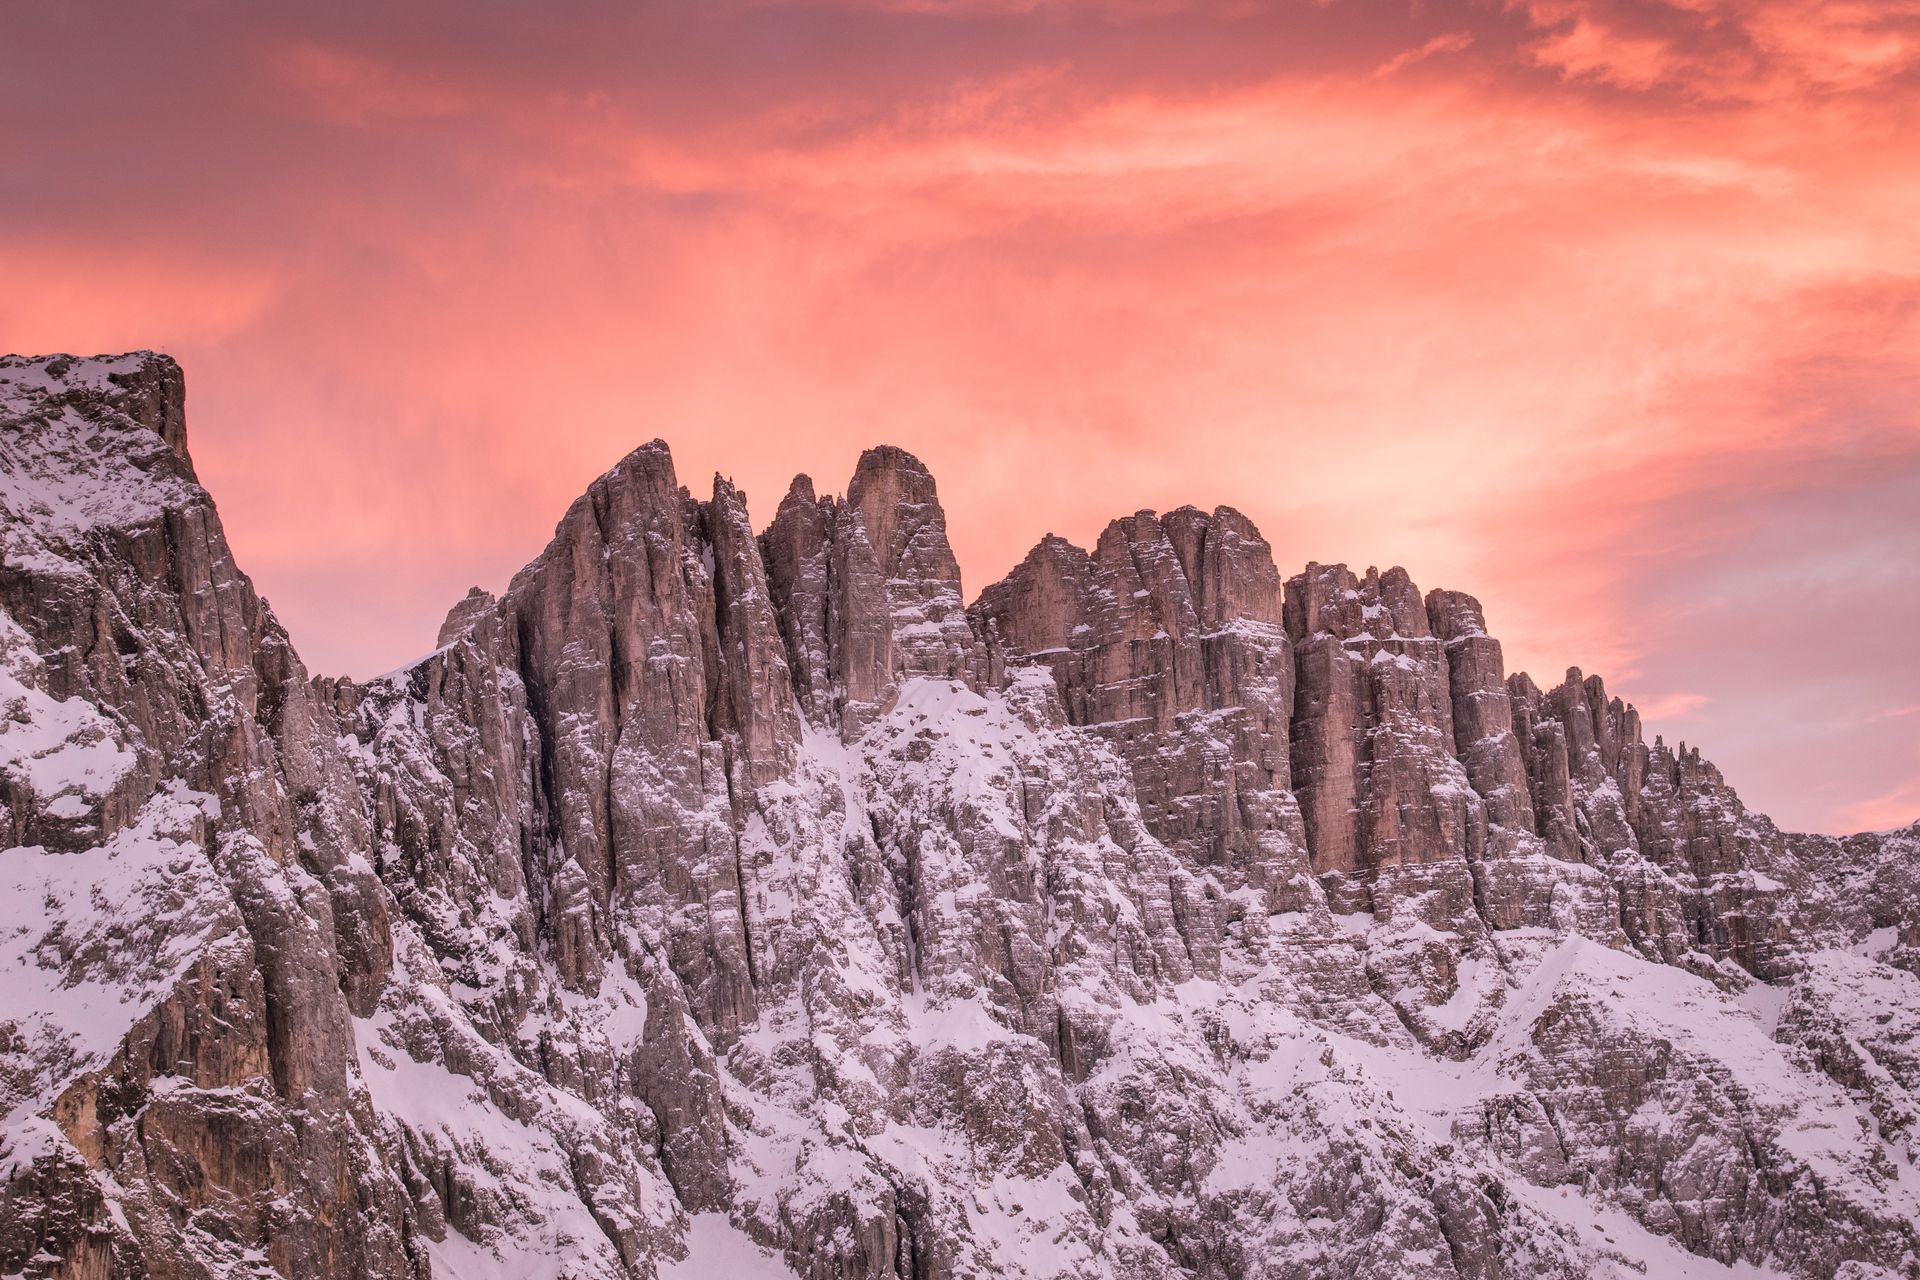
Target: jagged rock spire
{"type": "Point", "coordinates": [868, 589]}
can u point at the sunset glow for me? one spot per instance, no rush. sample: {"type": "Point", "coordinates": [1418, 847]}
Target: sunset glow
{"type": "Point", "coordinates": [1606, 311]}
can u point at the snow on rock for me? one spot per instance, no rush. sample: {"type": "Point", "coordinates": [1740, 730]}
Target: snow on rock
{"type": "Point", "coordinates": [89, 445]}
{"type": "Point", "coordinates": [716, 1247]}
{"type": "Point", "coordinates": [64, 765]}
{"type": "Point", "coordinates": [712, 904]}
{"type": "Point", "coordinates": [90, 942]}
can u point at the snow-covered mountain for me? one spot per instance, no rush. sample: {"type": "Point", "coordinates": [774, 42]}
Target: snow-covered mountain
{"type": "Point", "coordinates": [715, 904]}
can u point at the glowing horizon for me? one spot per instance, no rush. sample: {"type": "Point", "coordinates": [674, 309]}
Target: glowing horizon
{"type": "Point", "coordinates": [1604, 311]}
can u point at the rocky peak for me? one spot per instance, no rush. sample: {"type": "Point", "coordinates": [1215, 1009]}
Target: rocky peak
{"type": "Point", "coordinates": [140, 387]}
{"type": "Point", "coordinates": [1455, 615]}
{"type": "Point", "coordinates": [1381, 786]}
{"type": "Point", "coordinates": [797, 550]}
{"type": "Point", "coordinates": [1165, 641]}
{"type": "Point", "coordinates": [469, 609]}
{"type": "Point", "coordinates": [753, 665]}
{"type": "Point", "coordinates": [1230, 564]}
{"type": "Point", "coordinates": [868, 590]}
{"type": "Point", "coordinates": [1330, 600]}
{"type": "Point", "coordinates": [894, 494]}
{"type": "Point", "coordinates": [892, 497]}
{"type": "Point", "coordinates": [154, 394]}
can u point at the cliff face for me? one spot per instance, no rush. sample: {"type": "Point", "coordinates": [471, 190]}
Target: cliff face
{"type": "Point", "coordinates": [721, 904]}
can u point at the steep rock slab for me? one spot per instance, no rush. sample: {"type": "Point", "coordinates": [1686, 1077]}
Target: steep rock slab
{"type": "Point", "coordinates": [1380, 785]}
{"type": "Point", "coordinates": [1698, 878]}
{"type": "Point", "coordinates": [867, 591]}
{"type": "Point", "coordinates": [211, 1108]}
{"type": "Point", "coordinates": [1167, 642]}
{"type": "Point", "coordinates": [1527, 876]}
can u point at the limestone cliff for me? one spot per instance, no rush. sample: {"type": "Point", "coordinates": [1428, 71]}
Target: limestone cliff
{"type": "Point", "coordinates": [712, 903]}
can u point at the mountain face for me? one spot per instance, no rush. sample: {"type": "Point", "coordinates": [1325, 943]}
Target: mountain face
{"type": "Point", "coordinates": [715, 903]}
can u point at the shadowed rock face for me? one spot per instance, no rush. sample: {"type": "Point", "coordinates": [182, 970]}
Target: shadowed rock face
{"type": "Point", "coordinates": [1166, 643]}
{"type": "Point", "coordinates": [710, 897]}
{"type": "Point", "coordinates": [867, 590]}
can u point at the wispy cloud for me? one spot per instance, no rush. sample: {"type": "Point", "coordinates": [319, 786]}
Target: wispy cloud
{"type": "Point", "coordinates": [1449, 42]}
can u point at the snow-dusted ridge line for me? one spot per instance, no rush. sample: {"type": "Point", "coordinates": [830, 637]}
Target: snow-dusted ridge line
{"type": "Point", "coordinates": [714, 902]}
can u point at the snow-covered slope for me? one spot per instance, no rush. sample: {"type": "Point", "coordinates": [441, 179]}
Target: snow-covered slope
{"type": "Point", "coordinates": [714, 904]}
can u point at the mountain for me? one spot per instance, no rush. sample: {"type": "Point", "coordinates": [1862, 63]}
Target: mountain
{"type": "Point", "coordinates": [715, 903]}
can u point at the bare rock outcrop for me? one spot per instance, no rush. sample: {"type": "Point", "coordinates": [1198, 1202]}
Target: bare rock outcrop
{"type": "Point", "coordinates": [867, 591]}
{"type": "Point", "coordinates": [1166, 642]}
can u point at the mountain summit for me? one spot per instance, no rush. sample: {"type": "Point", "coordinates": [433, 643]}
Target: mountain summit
{"type": "Point", "coordinates": [713, 903]}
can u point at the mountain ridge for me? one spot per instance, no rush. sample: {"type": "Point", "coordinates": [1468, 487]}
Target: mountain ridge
{"type": "Point", "coordinates": [719, 894]}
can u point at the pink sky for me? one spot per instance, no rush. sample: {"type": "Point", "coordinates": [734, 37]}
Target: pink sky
{"type": "Point", "coordinates": [1607, 311]}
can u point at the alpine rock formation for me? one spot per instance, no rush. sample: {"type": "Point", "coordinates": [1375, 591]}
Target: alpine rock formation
{"type": "Point", "coordinates": [720, 903]}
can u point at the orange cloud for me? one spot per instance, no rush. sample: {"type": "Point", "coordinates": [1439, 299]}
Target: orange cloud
{"type": "Point", "coordinates": [1728, 49]}
{"type": "Point", "coordinates": [1450, 42]}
